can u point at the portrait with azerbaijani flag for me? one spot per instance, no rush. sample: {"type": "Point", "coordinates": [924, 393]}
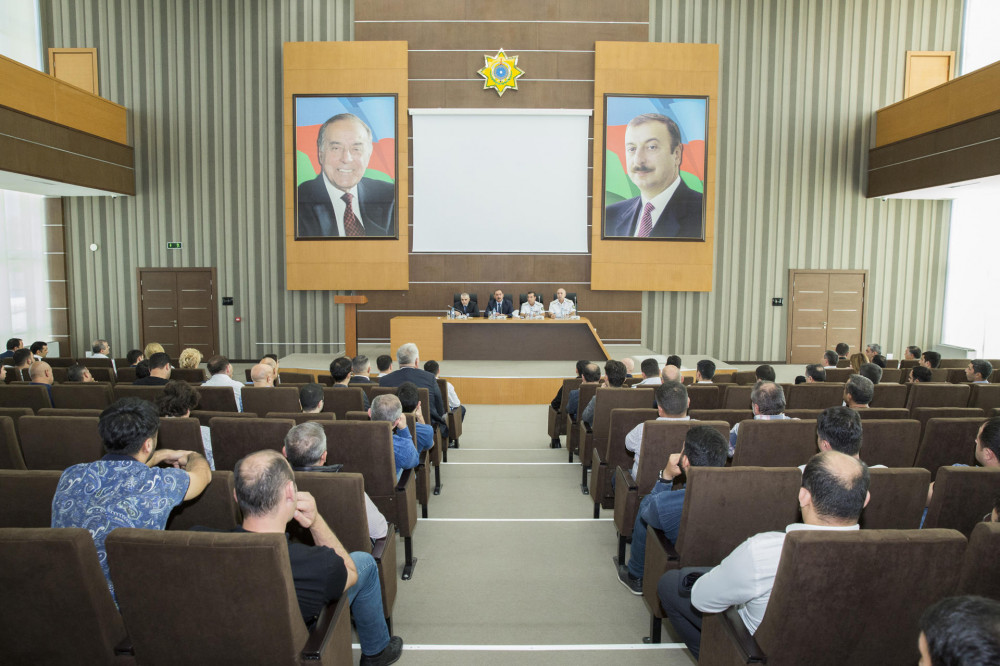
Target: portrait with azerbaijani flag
{"type": "Point", "coordinates": [654, 167]}
{"type": "Point", "coordinates": [345, 167]}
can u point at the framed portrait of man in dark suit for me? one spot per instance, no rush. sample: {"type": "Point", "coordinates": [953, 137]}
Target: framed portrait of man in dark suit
{"type": "Point", "coordinates": [654, 167]}
{"type": "Point", "coordinates": [345, 167]}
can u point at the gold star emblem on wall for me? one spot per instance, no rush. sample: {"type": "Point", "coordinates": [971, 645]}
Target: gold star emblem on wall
{"type": "Point", "coordinates": [501, 72]}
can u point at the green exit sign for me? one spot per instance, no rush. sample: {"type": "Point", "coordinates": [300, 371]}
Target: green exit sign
{"type": "Point", "coordinates": [175, 245]}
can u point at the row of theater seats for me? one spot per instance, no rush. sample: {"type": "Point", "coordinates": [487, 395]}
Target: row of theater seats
{"type": "Point", "coordinates": [39, 564]}
{"type": "Point", "coordinates": [950, 375]}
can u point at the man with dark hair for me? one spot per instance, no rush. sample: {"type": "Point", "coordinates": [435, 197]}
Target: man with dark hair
{"type": "Point", "coordinates": [704, 446]}
{"type": "Point", "coordinates": [499, 306]}
{"type": "Point", "coordinates": [340, 370]}
{"type": "Point", "coordinates": [978, 371]}
{"type": "Point", "coordinates": [879, 360]}
{"type": "Point", "coordinates": [305, 449]}
{"type": "Point", "coordinates": [222, 375]}
{"type": "Point", "coordinates": [125, 488]}
{"type": "Point", "coordinates": [21, 360]}
{"type": "Point", "coordinates": [834, 491]}
{"type": "Point", "coordinates": [704, 372]}
{"type": "Point", "coordinates": [409, 398]}
{"type": "Point", "coordinates": [842, 349]}
{"type": "Point", "coordinates": [987, 450]}
{"type": "Point", "coordinates": [930, 359]}
{"type": "Point", "coordinates": [387, 407]}
{"type": "Point", "coordinates": [557, 401]}
{"type": "Point", "coordinates": [454, 404]}
{"type": "Point", "coordinates": [674, 360]}
{"type": "Point", "coordinates": [410, 370]}
{"type": "Point", "coordinates": [672, 403]}
{"type": "Point", "coordinates": [531, 308]}
{"type": "Point", "coordinates": [912, 353]}
{"type": "Point", "coordinates": [858, 392]}
{"type": "Point", "coordinates": [767, 400]}
{"type": "Point", "coordinates": [815, 373]}
{"type": "Point", "coordinates": [78, 373]}
{"type": "Point", "coordinates": [650, 373]}
{"type": "Point", "coordinates": [591, 375]}
{"type": "Point", "coordinates": [384, 365]}
{"type": "Point", "coordinates": [133, 357]}
{"type": "Point", "coordinates": [829, 359]}
{"type": "Point", "coordinates": [12, 345]}
{"type": "Point", "coordinates": [960, 631]}
{"type": "Point", "coordinates": [269, 500]}
{"type": "Point", "coordinates": [159, 371]}
{"type": "Point", "coordinates": [360, 367]}
{"type": "Point", "coordinates": [872, 371]}
{"type": "Point", "coordinates": [765, 373]}
{"type": "Point", "coordinates": [920, 375]}
{"type": "Point", "coordinates": [839, 429]}
{"type": "Point", "coordinates": [311, 398]}
{"type": "Point", "coordinates": [614, 377]}
{"type": "Point", "coordinates": [872, 350]}
{"type": "Point", "coordinates": [39, 349]}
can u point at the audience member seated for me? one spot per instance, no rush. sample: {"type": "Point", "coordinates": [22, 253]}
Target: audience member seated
{"type": "Point", "coordinates": [815, 373]}
{"type": "Point", "coordinates": [672, 404]}
{"type": "Point", "coordinates": [498, 305]}
{"type": "Point", "coordinates": [41, 374]}
{"type": "Point", "coordinates": [879, 361]}
{"type": "Point", "coordinates": [839, 429]}
{"type": "Point", "coordinates": [670, 373]}
{"type": "Point", "coordinates": [858, 392]}
{"type": "Point", "coordinates": [979, 371]}
{"type": "Point", "coordinates": [842, 349]}
{"type": "Point", "coordinates": [305, 449]}
{"type": "Point", "coordinates": [21, 360]}
{"type": "Point", "coordinates": [930, 359]}
{"type": "Point", "coordinates": [987, 449]}
{"type": "Point", "coordinates": [271, 360]}
{"type": "Point", "coordinates": [388, 408]}
{"type": "Point", "coordinates": [829, 359]}
{"type": "Point", "coordinates": [532, 308]}
{"type": "Point", "coordinates": [133, 357]}
{"type": "Point", "coordinates": [189, 359]}
{"type": "Point", "coordinates": [960, 631]}
{"type": "Point", "coordinates": [767, 400]}
{"type": "Point", "coordinates": [912, 353]}
{"type": "Point", "coordinates": [872, 350]}
{"type": "Point", "coordinates": [561, 307]}
{"type": "Point", "coordinates": [704, 372]}
{"type": "Point", "coordinates": [269, 499]}
{"type": "Point", "coordinates": [920, 375]}
{"type": "Point", "coordinates": [857, 360]}
{"type": "Point", "coordinates": [78, 373]}
{"type": "Point", "coordinates": [629, 365]}
{"type": "Point", "coordinates": [674, 360]}
{"type": "Point", "coordinates": [152, 348]}
{"type": "Point", "coordinates": [159, 371]}
{"type": "Point", "coordinates": [222, 375]}
{"type": "Point", "coordinates": [125, 488]}
{"type": "Point", "coordinates": [13, 344]}
{"type": "Point", "coordinates": [340, 370]}
{"type": "Point", "coordinates": [311, 398]}
{"type": "Point", "coordinates": [650, 373]}
{"type": "Point", "coordinates": [834, 491]}
{"type": "Point", "coordinates": [614, 376]}
{"type": "Point", "coordinates": [765, 373]}
{"type": "Point", "coordinates": [591, 375]}
{"type": "Point", "coordinates": [704, 446]}
{"type": "Point", "coordinates": [454, 404]}
{"type": "Point", "coordinates": [384, 365]}
{"type": "Point", "coordinates": [262, 375]}
{"type": "Point", "coordinates": [408, 357]}
{"type": "Point", "coordinates": [360, 367]}
{"type": "Point", "coordinates": [176, 401]}
{"type": "Point", "coordinates": [409, 398]}
{"type": "Point", "coordinates": [39, 349]}
{"type": "Point", "coordinates": [872, 371]}
{"type": "Point", "coordinates": [142, 369]}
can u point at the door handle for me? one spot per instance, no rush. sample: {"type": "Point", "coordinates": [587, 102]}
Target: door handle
{"type": "Point", "coordinates": [174, 322]}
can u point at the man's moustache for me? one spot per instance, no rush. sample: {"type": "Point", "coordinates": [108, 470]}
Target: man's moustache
{"type": "Point", "coordinates": [641, 170]}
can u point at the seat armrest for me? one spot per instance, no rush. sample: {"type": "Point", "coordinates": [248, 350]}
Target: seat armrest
{"type": "Point", "coordinates": [625, 477]}
{"type": "Point", "coordinates": [378, 548]}
{"type": "Point", "coordinates": [595, 459]}
{"type": "Point", "coordinates": [125, 648]}
{"type": "Point", "coordinates": [665, 544]}
{"type": "Point", "coordinates": [743, 640]}
{"type": "Point", "coordinates": [404, 478]}
{"type": "Point", "coordinates": [333, 615]}
{"type": "Point", "coordinates": [406, 495]}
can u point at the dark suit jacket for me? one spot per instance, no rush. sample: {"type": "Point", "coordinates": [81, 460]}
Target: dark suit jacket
{"type": "Point", "coordinates": [376, 203]}
{"type": "Point", "coordinates": [357, 379]}
{"type": "Point", "coordinates": [503, 308]}
{"type": "Point", "coordinates": [472, 309]}
{"type": "Point", "coordinates": [422, 379]}
{"type": "Point", "coordinates": [680, 219]}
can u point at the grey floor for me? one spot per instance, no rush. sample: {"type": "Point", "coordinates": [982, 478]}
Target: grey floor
{"type": "Point", "coordinates": [512, 568]}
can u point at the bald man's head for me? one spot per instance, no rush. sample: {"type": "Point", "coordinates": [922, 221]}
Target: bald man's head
{"type": "Point", "coordinates": [838, 486]}
{"type": "Point", "coordinates": [260, 480]}
{"type": "Point", "coordinates": [262, 374]}
{"type": "Point", "coordinates": [670, 373]}
{"type": "Point", "coordinates": [40, 372]}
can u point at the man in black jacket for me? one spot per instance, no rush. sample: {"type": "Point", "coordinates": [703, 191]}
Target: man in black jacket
{"type": "Point", "coordinates": [409, 370]}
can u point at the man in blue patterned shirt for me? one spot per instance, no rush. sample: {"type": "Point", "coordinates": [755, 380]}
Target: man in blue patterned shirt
{"type": "Point", "coordinates": [125, 488]}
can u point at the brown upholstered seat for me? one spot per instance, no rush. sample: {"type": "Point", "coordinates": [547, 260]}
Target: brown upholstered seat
{"type": "Point", "coordinates": [730, 416]}
{"type": "Point", "coordinates": [297, 377]}
{"type": "Point", "coordinates": [703, 396]}
{"type": "Point", "coordinates": [26, 497]}
{"type": "Point", "coordinates": [723, 507]}
{"type": "Point", "coordinates": [300, 417]}
{"type": "Point", "coordinates": [744, 377]}
{"type": "Point", "coordinates": [78, 395]}
{"type": "Point", "coordinates": [948, 442]}
{"type": "Point", "coordinates": [453, 416]}
{"type": "Point", "coordinates": [603, 463]}
{"type": "Point", "coordinates": [354, 416]}
{"type": "Point", "coordinates": [56, 442]}
{"type": "Point", "coordinates": [180, 434]}
{"type": "Point", "coordinates": [125, 374]}
{"type": "Point", "coordinates": [803, 414]}
{"type": "Point", "coordinates": [575, 431]}
{"type": "Point", "coordinates": [735, 397]}
{"type": "Point", "coordinates": [189, 375]}
{"type": "Point", "coordinates": [984, 396]}
{"type": "Point", "coordinates": [39, 566]}
{"type": "Point", "coordinates": [340, 500]}
{"type": "Point", "coordinates": [937, 395]}
{"type": "Point", "coordinates": [775, 443]}
{"type": "Point", "coordinates": [422, 470]}
{"type": "Point", "coordinates": [898, 498]}
{"type": "Point", "coordinates": [101, 374]}
{"type": "Point", "coordinates": [878, 574]}
{"type": "Point", "coordinates": [814, 396]}
{"type": "Point", "coordinates": [980, 574]}
{"type": "Point", "coordinates": [10, 445]}
{"type": "Point", "coordinates": [215, 507]}
{"type": "Point", "coordinates": [961, 496]}
{"type": "Point", "coordinates": [233, 438]}
{"type": "Point", "coordinates": [607, 400]}
{"type": "Point", "coordinates": [24, 395]}
{"type": "Point", "coordinates": [16, 413]}
{"type": "Point", "coordinates": [260, 401]}
{"type": "Point", "coordinates": [170, 628]}
{"type": "Point", "coordinates": [883, 413]}
{"type": "Point", "coordinates": [366, 448]}
{"type": "Point", "coordinates": [205, 417]}
{"type": "Point", "coordinates": [52, 411]}
{"type": "Point", "coordinates": [217, 399]}
{"type": "Point", "coordinates": [660, 439]}
{"type": "Point", "coordinates": [889, 395]}
{"type": "Point", "coordinates": [839, 375]}
{"type": "Point", "coordinates": [890, 442]}
{"type": "Point", "coordinates": [925, 414]}
{"type": "Point", "coordinates": [342, 400]}
{"type": "Point", "coordinates": [150, 393]}
{"type": "Point", "coordinates": [891, 376]}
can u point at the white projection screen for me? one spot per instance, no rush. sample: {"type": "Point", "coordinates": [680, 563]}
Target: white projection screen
{"type": "Point", "coordinates": [500, 180]}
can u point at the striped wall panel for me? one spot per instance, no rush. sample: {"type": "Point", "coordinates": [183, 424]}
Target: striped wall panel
{"type": "Point", "coordinates": [800, 82]}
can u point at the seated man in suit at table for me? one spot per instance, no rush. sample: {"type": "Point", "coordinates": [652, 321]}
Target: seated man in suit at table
{"type": "Point", "coordinates": [499, 305]}
{"type": "Point", "coordinates": [466, 306]}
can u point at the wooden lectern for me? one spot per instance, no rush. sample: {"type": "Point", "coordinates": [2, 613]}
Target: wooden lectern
{"type": "Point", "coordinates": [350, 304]}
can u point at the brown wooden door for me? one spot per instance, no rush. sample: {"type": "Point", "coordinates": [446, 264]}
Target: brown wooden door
{"type": "Point", "coordinates": [178, 309]}
{"type": "Point", "coordinates": [827, 307]}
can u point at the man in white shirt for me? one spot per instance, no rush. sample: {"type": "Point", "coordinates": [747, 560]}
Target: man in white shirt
{"type": "Point", "coordinates": [101, 349]}
{"type": "Point", "coordinates": [453, 402]}
{"type": "Point", "coordinates": [531, 307]}
{"type": "Point", "coordinates": [650, 373]}
{"type": "Point", "coordinates": [222, 375]}
{"type": "Point", "coordinates": [834, 491]}
{"type": "Point", "coordinates": [671, 405]}
{"type": "Point", "coordinates": [979, 371]}
{"type": "Point", "coordinates": [561, 307]}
